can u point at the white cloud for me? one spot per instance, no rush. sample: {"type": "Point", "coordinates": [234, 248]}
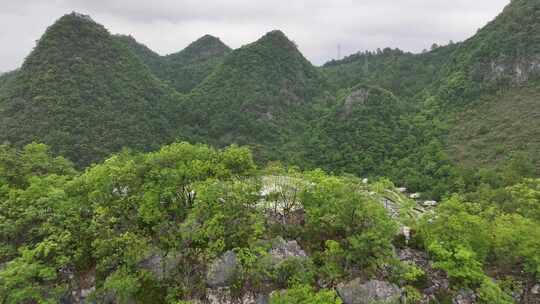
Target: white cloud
{"type": "Point", "coordinates": [317, 26]}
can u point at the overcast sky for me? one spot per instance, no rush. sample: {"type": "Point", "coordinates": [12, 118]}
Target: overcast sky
{"type": "Point", "coordinates": [317, 26]}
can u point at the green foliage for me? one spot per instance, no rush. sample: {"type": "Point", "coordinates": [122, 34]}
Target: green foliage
{"type": "Point", "coordinates": [91, 94]}
{"type": "Point", "coordinates": [490, 293]}
{"type": "Point", "coordinates": [457, 237]}
{"type": "Point", "coordinates": [6, 78]}
{"type": "Point", "coordinates": [115, 215]}
{"type": "Point", "coordinates": [304, 294]}
{"type": "Point", "coordinates": [29, 279]}
{"type": "Point", "coordinates": [403, 73]}
{"type": "Point", "coordinates": [387, 113]}
{"type": "Point", "coordinates": [498, 130]}
{"type": "Point", "coordinates": [334, 211]}
{"type": "Point", "coordinates": [333, 262]}
{"type": "Point", "coordinates": [186, 69]}
{"type": "Point", "coordinates": [412, 295]}
{"type": "Point", "coordinates": [261, 95]}
{"type": "Point", "coordinates": [413, 274]}
{"type": "Point", "coordinates": [515, 241]}
{"type": "Point", "coordinates": [122, 285]}
{"type": "Point", "coordinates": [362, 134]}
{"type": "Point", "coordinates": [526, 198]}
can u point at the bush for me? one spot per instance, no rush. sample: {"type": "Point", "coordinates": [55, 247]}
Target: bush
{"type": "Point", "coordinates": [304, 294]}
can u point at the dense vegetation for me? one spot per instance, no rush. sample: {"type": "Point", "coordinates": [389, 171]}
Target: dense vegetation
{"type": "Point", "coordinates": [86, 95]}
{"type": "Point", "coordinates": [109, 210]}
{"type": "Point", "coordinates": [186, 69]}
{"type": "Point", "coordinates": [262, 95]}
{"type": "Point", "coordinates": [268, 96]}
{"type": "Point", "coordinates": [5, 78]}
{"type": "Point", "coordinates": [186, 205]}
{"type": "Point", "coordinates": [404, 74]}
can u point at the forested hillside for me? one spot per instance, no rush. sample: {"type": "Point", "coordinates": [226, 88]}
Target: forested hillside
{"type": "Point", "coordinates": [186, 69]}
{"type": "Point", "coordinates": [5, 78]}
{"type": "Point", "coordinates": [404, 74]}
{"type": "Point", "coordinates": [384, 177]}
{"type": "Point", "coordinates": [479, 93]}
{"type": "Point", "coordinates": [86, 95]}
{"type": "Point", "coordinates": [262, 95]}
{"type": "Point", "coordinates": [192, 224]}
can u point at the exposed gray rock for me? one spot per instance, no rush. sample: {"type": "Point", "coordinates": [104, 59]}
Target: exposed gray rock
{"type": "Point", "coordinates": [359, 96]}
{"type": "Point", "coordinates": [535, 290]}
{"type": "Point", "coordinates": [282, 250]}
{"type": "Point", "coordinates": [371, 292]}
{"type": "Point", "coordinates": [464, 297]}
{"type": "Point", "coordinates": [223, 296]}
{"type": "Point", "coordinates": [160, 266]}
{"type": "Point", "coordinates": [436, 279]}
{"type": "Point", "coordinates": [517, 70]}
{"type": "Point", "coordinates": [222, 271]}
{"type": "Point", "coordinates": [83, 286]}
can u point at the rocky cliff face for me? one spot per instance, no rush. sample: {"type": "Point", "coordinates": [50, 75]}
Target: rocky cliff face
{"type": "Point", "coordinates": [517, 71]}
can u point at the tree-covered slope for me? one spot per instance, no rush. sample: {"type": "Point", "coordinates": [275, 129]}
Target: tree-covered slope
{"type": "Point", "coordinates": [6, 78]}
{"type": "Point", "coordinates": [498, 128]}
{"type": "Point", "coordinates": [152, 59]}
{"type": "Point", "coordinates": [489, 90]}
{"type": "Point", "coordinates": [186, 69]}
{"type": "Point", "coordinates": [478, 87]}
{"type": "Point", "coordinates": [261, 95]}
{"type": "Point", "coordinates": [504, 52]}
{"type": "Point", "coordinates": [86, 95]}
{"type": "Point", "coordinates": [405, 74]}
{"type": "Point", "coordinates": [361, 135]}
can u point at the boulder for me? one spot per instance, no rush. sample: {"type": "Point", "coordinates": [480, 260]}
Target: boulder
{"type": "Point", "coordinates": [223, 296]}
{"type": "Point", "coordinates": [222, 271]}
{"type": "Point", "coordinates": [436, 279]}
{"type": "Point", "coordinates": [282, 250]}
{"type": "Point", "coordinates": [464, 297]}
{"type": "Point", "coordinates": [370, 292]}
{"type": "Point", "coordinates": [160, 265]}
{"type": "Point", "coordinates": [535, 290]}
{"type": "Point", "coordinates": [84, 284]}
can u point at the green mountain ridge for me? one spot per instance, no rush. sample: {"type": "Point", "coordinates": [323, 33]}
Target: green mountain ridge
{"type": "Point", "coordinates": [261, 95]}
{"type": "Point", "coordinates": [185, 69]}
{"type": "Point", "coordinates": [502, 56]}
{"type": "Point", "coordinates": [5, 78]}
{"type": "Point", "coordinates": [86, 95]}
{"type": "Point", "coordinates": [382, 177]}
{"type": "Point", "coordinates": [269, 96]}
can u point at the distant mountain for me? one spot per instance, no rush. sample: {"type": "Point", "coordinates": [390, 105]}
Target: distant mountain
{"type": "Point", "coordinates": [504, 52]}
{"type": "Point", "coordinates": [186, 69]}
{"type": "Point", "coordinates": [363, 134]}
{"type": "Point", "coordinates": [405, 74]}
{"type": "Point", "coordinates": [262, 95]}
{"type": "Point", "coordinates": [491, 89]}
{"type": "Point", "coordinates": [152, 59]}
{"type": "Point", "coordinates": [86, 95]}
{"type": "Point", "coordinates": [497, 68]}
{"type": "Point", "coordinates": [6, 78]}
